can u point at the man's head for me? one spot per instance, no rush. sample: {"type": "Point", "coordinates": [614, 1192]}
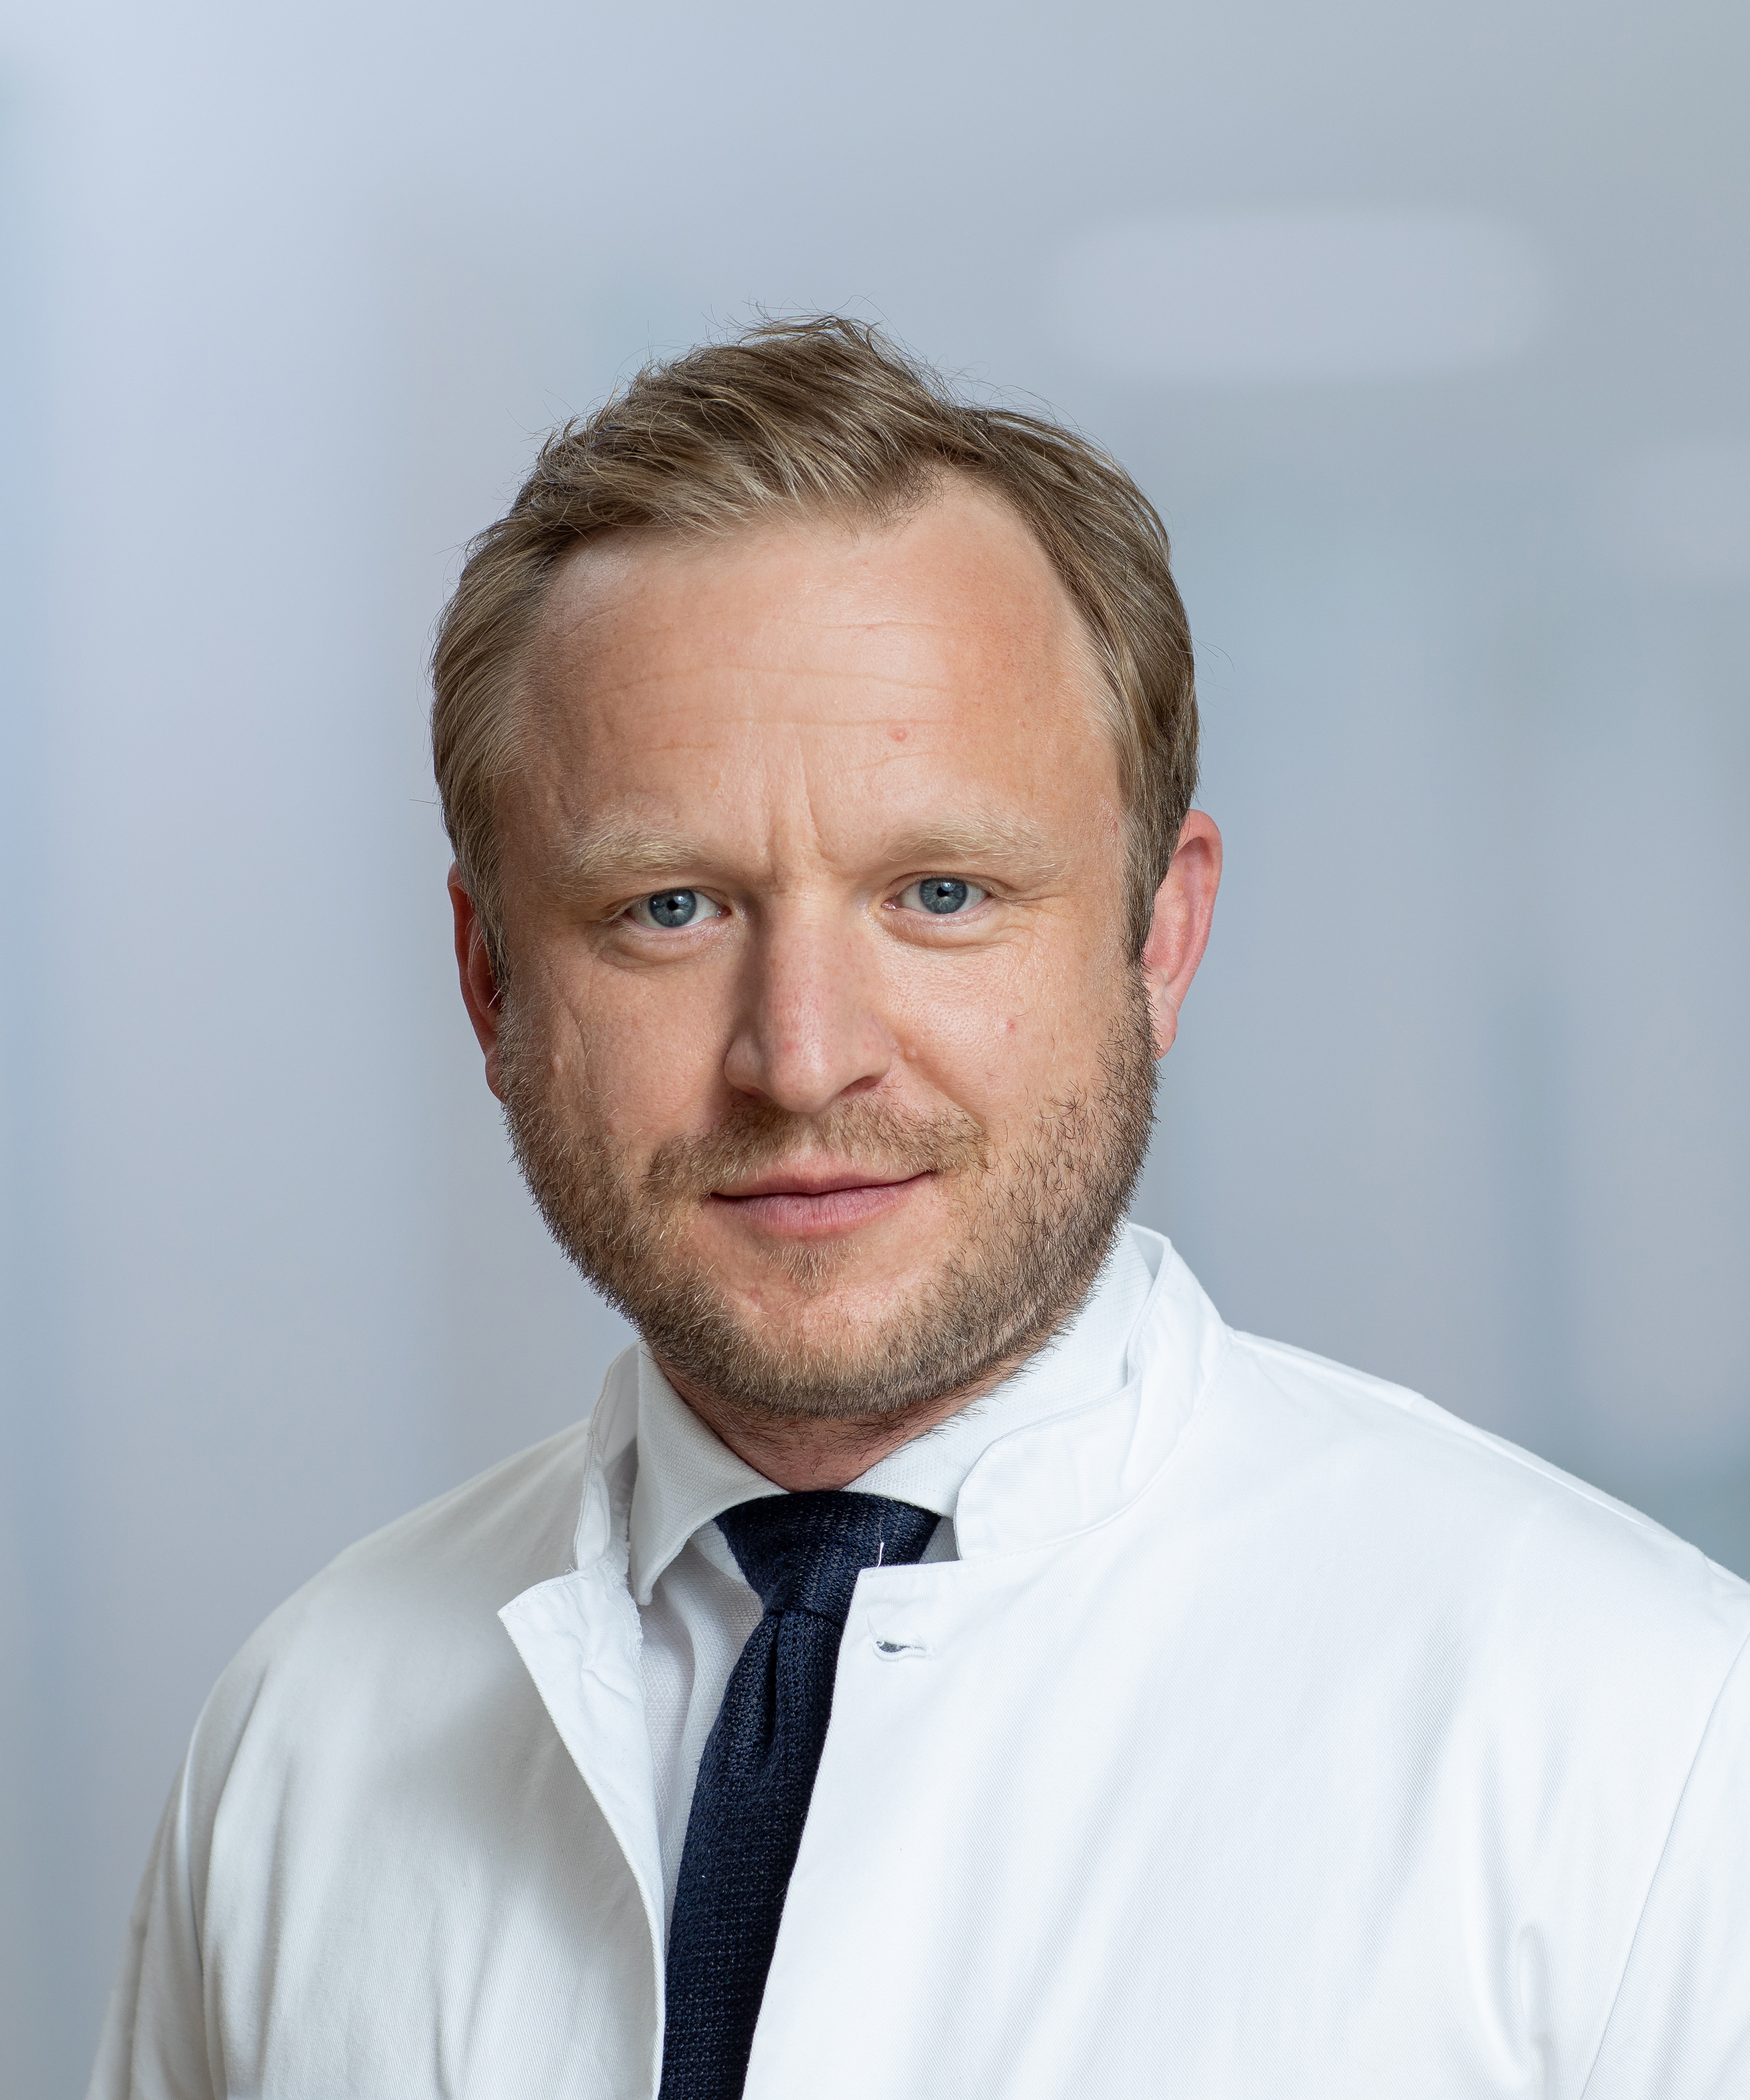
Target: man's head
{"type": "Point", "coordinates": [815, 747]}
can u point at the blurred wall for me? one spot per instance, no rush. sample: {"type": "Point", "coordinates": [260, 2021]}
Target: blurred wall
{"type": "Point", "coordinates": [1426, 328]}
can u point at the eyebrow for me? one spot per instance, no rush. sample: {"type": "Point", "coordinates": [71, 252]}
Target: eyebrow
{"type": "Point", "coordinates": [616, 852]}
{"type": "Point", "coordinates": [628, 851]}
{"type": "Point", "coordinates": [973, 838]}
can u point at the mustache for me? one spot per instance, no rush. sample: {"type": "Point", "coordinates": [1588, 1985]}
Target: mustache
{"type": "Point", "coordinates": [893, 1145]}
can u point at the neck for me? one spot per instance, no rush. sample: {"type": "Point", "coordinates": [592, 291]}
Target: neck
{"type": "Point", "coordinates": [799, 1453]}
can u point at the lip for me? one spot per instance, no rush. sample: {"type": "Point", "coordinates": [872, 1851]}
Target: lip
{"type": "Point", "coordinates": [822, 1180]}
{"type": "Point", "coordinates": [802, 1203]}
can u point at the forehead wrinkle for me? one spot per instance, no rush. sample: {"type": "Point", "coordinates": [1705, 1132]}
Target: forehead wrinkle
{"type": "Point", "coordinates": [954, 637]}
{"type": "Point", "coordinates": [729, 649]}
{"type": "Point", "coordinates": [681, 676]}
{"type": "Point", "coordinates": [619, 664]}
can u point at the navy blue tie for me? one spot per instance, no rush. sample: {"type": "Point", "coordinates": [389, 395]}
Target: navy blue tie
{"type": "Point", "coordinates": [802, 1554]}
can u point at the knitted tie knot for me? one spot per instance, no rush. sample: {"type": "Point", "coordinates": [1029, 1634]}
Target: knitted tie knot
{"type": "Point", "coordinates": [804, 1552]}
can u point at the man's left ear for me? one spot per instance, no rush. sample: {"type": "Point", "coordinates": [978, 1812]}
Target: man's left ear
{"type": "Point", "coordinates": [1179, 931]}
{"type": "Point", "coordinates": [480, 992]}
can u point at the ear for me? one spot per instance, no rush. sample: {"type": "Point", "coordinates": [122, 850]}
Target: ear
{"type": "Point", "coordinates": [1179, 932]}
{"type": "Point", "coordinates": [480, 988]}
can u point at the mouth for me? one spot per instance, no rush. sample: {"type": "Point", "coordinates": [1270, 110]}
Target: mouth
{"type": "Point", "coordinates": [801, 1202]}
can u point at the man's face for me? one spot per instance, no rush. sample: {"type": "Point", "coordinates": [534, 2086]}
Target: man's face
{"type": "Point", "coordinates": [822, 1046]}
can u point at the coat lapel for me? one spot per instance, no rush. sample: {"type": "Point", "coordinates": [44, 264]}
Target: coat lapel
{"type": "Point", "coordinates": [579, 1639]}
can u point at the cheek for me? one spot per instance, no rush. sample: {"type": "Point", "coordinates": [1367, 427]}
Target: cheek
{"type": "Point", "coordinates": [639, 1054]}
{"type": "Point", "coordinates": [1005, 1034]}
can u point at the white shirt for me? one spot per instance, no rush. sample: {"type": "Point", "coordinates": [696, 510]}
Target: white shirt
{"type": "Point", "coordinates": [1271, 1732]}
{"type": "Point", "coordinates": [696, 1607]}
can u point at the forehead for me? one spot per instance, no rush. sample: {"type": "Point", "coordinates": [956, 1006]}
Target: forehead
{"type": "Point", "coordinates": [934, 656]}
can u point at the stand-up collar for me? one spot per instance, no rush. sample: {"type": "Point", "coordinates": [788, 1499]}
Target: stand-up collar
{"type": "Point", "coordinates": [1075, 1469]}
{"type": "Point", "coordinates": [687, 1477]}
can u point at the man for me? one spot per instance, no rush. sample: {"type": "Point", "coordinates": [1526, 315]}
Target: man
{"type": "Point", "coordinates": [948, 1662]}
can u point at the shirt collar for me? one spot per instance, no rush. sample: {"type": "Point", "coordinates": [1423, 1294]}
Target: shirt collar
{"type": "Point", "coordinates": [687, 1476]}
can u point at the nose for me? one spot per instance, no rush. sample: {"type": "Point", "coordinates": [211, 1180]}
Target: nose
{"type": "Point", "coordinates": [809, 1028]}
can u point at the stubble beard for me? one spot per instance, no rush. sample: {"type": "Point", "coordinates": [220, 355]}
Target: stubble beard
{"type": "Point", "coordinates": [1031, 1222]}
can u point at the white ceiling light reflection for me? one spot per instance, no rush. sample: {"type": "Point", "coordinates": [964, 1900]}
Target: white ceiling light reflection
{"type": "Point", "coordinates": [1264, 296]}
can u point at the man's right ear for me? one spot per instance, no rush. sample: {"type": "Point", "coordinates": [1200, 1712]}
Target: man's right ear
{"type": "Point", "coordinates": [480, 988]}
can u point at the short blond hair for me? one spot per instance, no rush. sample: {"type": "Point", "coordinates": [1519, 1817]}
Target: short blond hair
{"type": "Point", "coordinates": [821, 416]}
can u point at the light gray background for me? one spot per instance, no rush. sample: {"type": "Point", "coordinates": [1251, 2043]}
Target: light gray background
{"type": "Point", "coordinates": [1446, 409]}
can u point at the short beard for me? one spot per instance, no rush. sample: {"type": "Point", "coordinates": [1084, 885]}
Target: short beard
{"type": "Point", "coordinates": [1036, 1223]}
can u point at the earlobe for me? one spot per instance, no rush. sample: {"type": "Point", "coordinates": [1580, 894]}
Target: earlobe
{"type": "Point", "coordinates": [1163, 1016]}
{"type": "Point", "coordinates": [480, 992]}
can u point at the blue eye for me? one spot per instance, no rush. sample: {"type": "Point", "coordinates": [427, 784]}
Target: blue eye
{"type": "Point", "coordinates": [943, 896]}
{"type": "Point", "coordinates": [670, 909]}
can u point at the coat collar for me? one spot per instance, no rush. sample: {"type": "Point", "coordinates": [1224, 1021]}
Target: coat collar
{"type": "Point", "coordinates": [579, 1637]}
{"type": "Point", "coordinates": [1047, 1479]}
{"type": "Point", "coordinates": [685, 1476]}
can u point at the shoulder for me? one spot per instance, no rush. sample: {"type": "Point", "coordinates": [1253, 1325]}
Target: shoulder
{"type": "Point", "coordinates": [507, 1527]}
{"type": "Point", "coordinates": [1455, 1516]}
{"type": "Point", "coordinates": [347, 1779]}
{"type": "Point", "coordinates": [404, 1621]}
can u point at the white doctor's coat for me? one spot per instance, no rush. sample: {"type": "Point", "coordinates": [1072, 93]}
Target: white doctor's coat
{"type": "Point", "coordinates": [1274, 1735]}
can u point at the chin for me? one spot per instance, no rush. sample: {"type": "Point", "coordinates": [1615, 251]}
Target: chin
{"type": "Point", "coordinates": [872, 1266]}
{"type": "Point", "coordinates": [817, 1296]}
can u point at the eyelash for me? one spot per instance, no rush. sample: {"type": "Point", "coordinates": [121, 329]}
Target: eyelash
{"type": "Point", "coordinates": [976, 894]}
{"type": "Point", "coordinates": [707, 908]}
